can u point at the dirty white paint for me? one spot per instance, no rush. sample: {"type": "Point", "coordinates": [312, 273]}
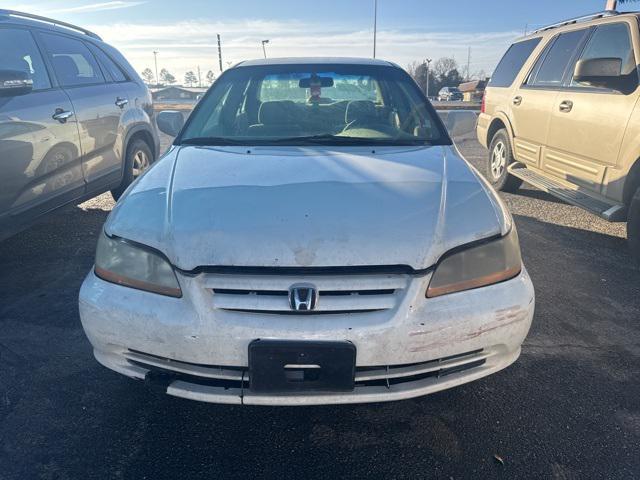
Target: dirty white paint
{"type": "Point", "coordinates": [299, 206]}
{"type": "Point", "coordinates": [308, 207]}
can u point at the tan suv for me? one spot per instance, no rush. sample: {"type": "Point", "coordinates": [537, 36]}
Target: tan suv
{"type": "Point", "coordinates": [561, 113]}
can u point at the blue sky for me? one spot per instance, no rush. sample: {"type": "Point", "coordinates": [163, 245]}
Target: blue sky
{"type": "Point", "coordinates": [184, 31]}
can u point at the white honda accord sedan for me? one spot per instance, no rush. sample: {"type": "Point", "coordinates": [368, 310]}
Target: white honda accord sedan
{"type": "Point", "coordinates": [312, 236]}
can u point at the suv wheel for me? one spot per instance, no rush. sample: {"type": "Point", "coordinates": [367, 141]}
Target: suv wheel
{"type": "Point", "coordinates": [633, 226]}
{"type": "Point", "coordinates": [500, 157]}
{"type": "Point", "coordinates": [137, 161]}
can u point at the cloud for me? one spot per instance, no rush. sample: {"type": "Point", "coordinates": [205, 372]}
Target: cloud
{"type": "Point", "coordinates": [53, 8]}
{"type": "Point", "coordinates": [185, 45]}
{"type": "Point", "coordinates": [97, 7]}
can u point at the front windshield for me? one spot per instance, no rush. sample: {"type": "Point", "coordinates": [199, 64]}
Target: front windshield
{"type": "Point", "coordinates": [314, 104]}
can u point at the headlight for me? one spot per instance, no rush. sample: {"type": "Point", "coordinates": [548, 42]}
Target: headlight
{"type": "Point", "coordinates": [131, 265]}
{"type": "Point", "coordinates": [477, 266]}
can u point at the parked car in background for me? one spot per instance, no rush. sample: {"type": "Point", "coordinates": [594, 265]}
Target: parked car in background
{"type": "Point", "coordinates": [75, 119]}
{"type": "Point", "coordinates": [306, 242]}
{"type": "Point", "coordinates": [450, 94]}
{"type": "Point", "coordinates": [561, 112]}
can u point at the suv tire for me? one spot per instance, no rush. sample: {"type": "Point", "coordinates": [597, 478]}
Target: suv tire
{"type": "Point", "coordinates": [633, 226]}
{"type": "Point", "coordinates": [137, 160]}
{"type": "Point", "coordinates": [500, 157]}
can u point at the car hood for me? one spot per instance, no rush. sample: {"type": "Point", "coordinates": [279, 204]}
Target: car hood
{"type": "Point", "coordinates": [308, 207]}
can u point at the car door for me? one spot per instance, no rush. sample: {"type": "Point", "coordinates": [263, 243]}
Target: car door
{"type": "Point", "coordinates": [533, 101]}
{"type": "Point", "coordinates": [99, 107]}
{"type": "Point", "coordinates": [588, 124]}
{"type": "Point", "coordinates": [40, 160]}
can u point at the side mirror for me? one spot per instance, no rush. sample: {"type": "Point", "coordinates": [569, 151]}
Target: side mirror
{"type": "Point", "coordinates": [170, 122]}
{"type": "Point", "coordinates": [599, 72]}
{"type": "Point", "coordinates": [14, 82]}
{"type": "Point", "coordinates": [459, 122]}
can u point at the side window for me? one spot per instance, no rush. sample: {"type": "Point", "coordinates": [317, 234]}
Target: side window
{"type": "Point", "coordinates": [19, 52]}
{"type": "Point", "coordinates": [611, 41]}
{"type": "Point", "coordinates": [551, 67]}
{"type": "Point", "coordinates": [512, 62]}
{"type": "Point", "coordinates": [108, 65]}
{"type": "Point", "coordinates": [72, 61]}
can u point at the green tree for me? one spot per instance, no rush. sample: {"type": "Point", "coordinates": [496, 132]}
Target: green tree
{"type": "Point", "coordinates": [190, 78]}
{"type": "Point", "coordinates": [148, 76]}
{"type": "Point", "coordinates": [166, 77]}
{"type": "Point", "coordinates": [418, 70]}
{"type": "Point", "coordinates": [211, 77]}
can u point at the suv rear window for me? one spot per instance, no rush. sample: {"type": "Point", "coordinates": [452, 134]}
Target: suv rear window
{"type": "Point", "coordinates": [512, 62]}
{"type": "Point", "coordinates": [108, 65]}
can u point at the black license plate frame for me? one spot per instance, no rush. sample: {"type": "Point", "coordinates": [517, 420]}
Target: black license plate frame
{"type": "Point", "coordinates": [283, 366]}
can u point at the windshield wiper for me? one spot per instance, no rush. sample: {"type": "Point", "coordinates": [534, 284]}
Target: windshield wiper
{"type": "Point", "coordinates": [211, 141]}
{"type": "Point", "coordinates": [322, 139]}
{"type": "Point", "coordinates": [327, 138]}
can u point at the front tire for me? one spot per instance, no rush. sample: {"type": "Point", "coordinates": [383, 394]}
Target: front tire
{"type": "Point", "coordinates": [633, 226]}
{"type": "Point", "coordinates": [500, 157]}
{"type": "Point", "coordinates": [137, 161]}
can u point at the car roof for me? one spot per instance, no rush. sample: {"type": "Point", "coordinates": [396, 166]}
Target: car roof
{"type": "Point", "coordinates": [585, 20]}
{"type": "Point", "coordinates": [14, 17]}
{"type": "Point", "coordinates": [315, 61]}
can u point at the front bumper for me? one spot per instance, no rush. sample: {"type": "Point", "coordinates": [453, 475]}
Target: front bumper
{"type": "Point", "coordinates": [200, 352]}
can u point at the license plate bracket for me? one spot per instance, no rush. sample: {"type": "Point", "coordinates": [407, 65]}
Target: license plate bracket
{"type": "Point", "coordinates": [281, 366]}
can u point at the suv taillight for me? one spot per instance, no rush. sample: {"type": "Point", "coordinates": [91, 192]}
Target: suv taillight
{"type": "Point", "coordinates": [482, 105]}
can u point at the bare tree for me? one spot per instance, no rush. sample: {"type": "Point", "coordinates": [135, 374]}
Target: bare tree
{"type": "Point", "coordinates": [444, 65]}
{"type": "Point", "coordinates": [211, 77]}
{"type": "Point", "coordinates": [444, 74]}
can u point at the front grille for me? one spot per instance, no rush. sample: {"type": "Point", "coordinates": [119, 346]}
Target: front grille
{"type": "Point", "coordinates": [340, 294]}
{"type": "Point", "coordinates": [168, 370]}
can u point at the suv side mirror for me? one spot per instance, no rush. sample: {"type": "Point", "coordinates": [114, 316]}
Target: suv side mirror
{"type": "Point", "coordinates": [599, 72]}
{"type": "Point", "coordinates": [170, 122]}
{"type": "Point", "coordinates": [14, 82]}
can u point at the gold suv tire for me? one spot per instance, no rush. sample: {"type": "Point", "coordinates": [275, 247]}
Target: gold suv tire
{"type": "Point", "coordinates": [500, 157]}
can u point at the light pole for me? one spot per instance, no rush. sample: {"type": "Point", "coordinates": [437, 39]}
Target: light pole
{"type": "Point", "coordinates": [264, 50]}
{"type": "Point", "coordinates": [375, 25]}
{"type": "Point", "coordinates": [428, 62]}
{"type": "Point", "coordinates": [155, 60]}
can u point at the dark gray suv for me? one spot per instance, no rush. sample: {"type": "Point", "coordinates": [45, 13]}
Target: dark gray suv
{"type": "Point", "coordinates": [75, 119]}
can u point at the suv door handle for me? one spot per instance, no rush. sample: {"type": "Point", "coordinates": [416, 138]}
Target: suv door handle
{"type": "Point", "coordinates": [517, 100]}
{"type": "Point", "coordinates": [62, 115]}
{"type": "Point", "coordinates": [566, 106]}
{"type": "Point", "coordinates": [121, 102]}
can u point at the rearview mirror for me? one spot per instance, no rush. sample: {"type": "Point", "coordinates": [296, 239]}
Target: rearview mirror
{"type": "Point", "coordinates": [170, 122]}
{"type": "Point", "coordinates": [14, 82]}
{"type": "Point", "coordinates": [459, 122]}
{"type": "Point", "coordinates": [325, 82]}
{"type": "Point", "coordinates": [599, 72]}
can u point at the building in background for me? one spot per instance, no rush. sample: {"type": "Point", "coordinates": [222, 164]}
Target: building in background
{"type": "Point", "coordinates": [177, 94]}
{"type": "Point", "coordinates": [473, 91]}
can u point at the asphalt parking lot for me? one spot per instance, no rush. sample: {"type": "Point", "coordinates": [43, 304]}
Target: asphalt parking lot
{"type": "Point", "coordinates": [568, 409]}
